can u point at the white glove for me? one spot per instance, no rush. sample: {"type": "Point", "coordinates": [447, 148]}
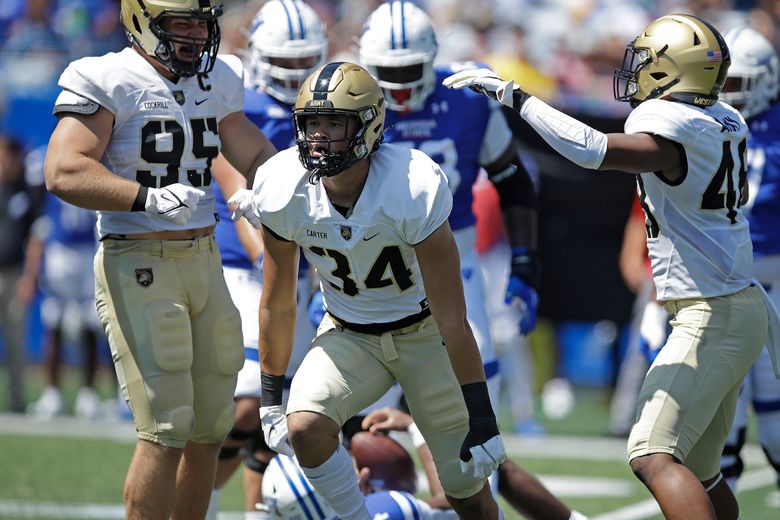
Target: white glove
{"type": "Point", "coordinates": [484, 81]}
{"type": "Point", "coordinates": [245, 207]}
{"type": "Point", "coordinates": [175, 202]}
{"type": "Point", "coordinates": [485, 458]}
{"type": "Point", "coordinates": [274, 423]}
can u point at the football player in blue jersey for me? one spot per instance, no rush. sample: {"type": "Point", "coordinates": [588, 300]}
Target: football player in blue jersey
{"type": "Point", "coordinates": [286, 42]}
{"type": "Point", "coordinates": [62, 243]}
{"type": "Point", "coordinates": [463, 133]}
{"type": "Point", "coordinates": [288, 494]}
{"type": "Point", "coordinates": [752, 87]}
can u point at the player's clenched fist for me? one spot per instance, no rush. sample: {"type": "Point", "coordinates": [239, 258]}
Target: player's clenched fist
{"type": "Point", "coordinates": [175, 202]}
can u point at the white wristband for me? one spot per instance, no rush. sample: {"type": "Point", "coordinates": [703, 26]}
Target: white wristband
{"type": "Point", "coordinates": [415, 435]}
{"type": "Point", "coordinates": [578, 142]}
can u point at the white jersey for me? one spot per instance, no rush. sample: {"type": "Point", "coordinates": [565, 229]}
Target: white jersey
{"type": "Point", "coordinates": [697, 235]}
{"type": "Point", "coordinates": [163, 133]}
{"type": "Point", "coordinates": [367, 266]}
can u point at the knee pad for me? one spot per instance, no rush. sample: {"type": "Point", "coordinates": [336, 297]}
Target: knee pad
{"type": "Point", "coordinates": [217, 431]}
{"type": "Point", "coordinates": [174, 428]}
{"type": "Point", "coordinates": [456, 483]}
{"type": "Point", "coordinates": [239, 436]}
{"type": "Point", "coordinates": [769, 435]}
{"type": "Point", "coordinates": [254, 464]}
{"type": "Point", "coordinates": [257, 444]}
{"type": "Point", "coordinates": [224, 423]}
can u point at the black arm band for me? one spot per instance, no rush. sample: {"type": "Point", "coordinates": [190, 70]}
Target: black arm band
{"type": "Point", "coordinates": [514, 186]}
{"type": "Point", "coordinates": [139, 204]}
{"type": "Point", "coordinates": [519, 97]}
{"type": "Point", "coordinates": [271, 388]}
{"type": "Point", "coordinates": [526, 265]}
{"type": "Point", "coordinates": [477, 401]}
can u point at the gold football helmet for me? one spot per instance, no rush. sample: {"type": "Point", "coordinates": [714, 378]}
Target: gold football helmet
{"type": "Point", "coordinates": [678, 56]}
{"type": "Point", "coordinates": [143, 22]}
{"type": "Point", "coordinates": [340, 89]}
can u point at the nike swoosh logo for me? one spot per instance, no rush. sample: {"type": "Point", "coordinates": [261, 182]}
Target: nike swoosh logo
{"type": "Point", "coordinates": [198, 102]}
{"type": "Point", "coordinates": [372, 236]}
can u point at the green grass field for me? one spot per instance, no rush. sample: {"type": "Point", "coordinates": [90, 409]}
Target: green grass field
{"type": "Point", "coordinates": [72, 469]}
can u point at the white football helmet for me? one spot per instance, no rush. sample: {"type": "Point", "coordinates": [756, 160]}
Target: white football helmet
{"type": "Point", "coordinates": [397, 47]}
{"type": "Point", "coordinates": [288, 495]}
{"type": "Point", "coordinates": [753, 80]}
{"type": "Point", "coordinates": [287, 42]}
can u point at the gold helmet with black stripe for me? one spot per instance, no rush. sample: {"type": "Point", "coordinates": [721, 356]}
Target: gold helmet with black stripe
{"type": "Point", "coordinates": [678, 57]}
{"type": "Point", "coordinates": [143, 21]}
{"type": "Point", "coordinates": [339, 89]}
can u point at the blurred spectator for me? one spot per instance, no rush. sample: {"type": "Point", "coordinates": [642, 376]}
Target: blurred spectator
{"type": "Point", "coordinates": [33, 32]}
{"type": "Point", "coordinates": [17, 211]}
{"type": "Point", "coordinates": [90, 27]}
{"type": "Point", "coordinates": [636, 273]}
{"type": "Point", "coordinates": [59, 254]}
{"type": "Point", "coordinates": [10, 10]}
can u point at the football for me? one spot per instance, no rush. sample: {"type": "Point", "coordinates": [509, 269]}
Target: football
{"type": "Point", "coordinates": [392, 468]}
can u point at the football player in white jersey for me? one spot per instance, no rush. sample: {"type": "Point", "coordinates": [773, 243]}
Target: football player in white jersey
{"type": "Point", "coordinates": [372, 219]}
{"type": "Point", "coordinates": [752, 87]}
{"type": "Point", "coordinates": [465, 133]}
{"type": "Point", "coordinates": [688, 150]}
{"type": "Point", "coordinates": [287, 41]}
{"type": "Point", "coordinates": [136, 135]}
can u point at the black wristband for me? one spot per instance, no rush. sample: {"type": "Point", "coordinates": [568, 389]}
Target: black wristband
{"type": "Point", "coordinates": [139, 204]}
{"type": "Point", "coordinates": [519, 97]}
{"type": "Point", "coordinates": [478, 402]}
{"type": "Point", "coordinates": [271, 389]}
{"type": "Point", "coordinates": [526, 265]}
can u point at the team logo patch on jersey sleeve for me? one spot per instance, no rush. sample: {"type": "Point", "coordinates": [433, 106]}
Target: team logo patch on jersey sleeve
{"type": "Point", "coordinates": [178, 95]}
{"type": "Point", "coordinates": [346, 232]}
{"type": "Point", "coordinates": [144, 276]}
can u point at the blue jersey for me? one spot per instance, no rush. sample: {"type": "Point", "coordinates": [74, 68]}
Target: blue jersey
{"type": "Point", "coordinates": [764, 174]}
{"type": "Point", "coordinates": [271, 116]}
{"type": "Point", "coordinates": [233, 253]}
{"type": "Point", "coordinates": [454, 128]}
{"type": "Point", "coordinates": [68, 224]}
{"type": "Point", "coordinates": [275, 120]}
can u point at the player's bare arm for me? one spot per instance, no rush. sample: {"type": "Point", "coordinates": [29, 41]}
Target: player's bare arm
{"type": "Point", "coordinates": [573, 139]}
{"type": "Point", "coordinates": [640, 153]}
{"type": "Point", "coordinates": [278, 303]}
{"type": "Point", "coordinates": [73, 169]}
{"type": "Point", "coordinates": [244, 145]}
{"type": "Point", "coordinates": [440, 268]}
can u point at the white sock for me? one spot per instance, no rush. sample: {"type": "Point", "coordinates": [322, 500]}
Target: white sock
{"type": "Point", "coordinates": [576, 515]}
{"type": "Point", "coordinates": [336, 480]}
{"type": "Point", "coordinates": [257, 515]}
{"type": "Point", "coordinates": [211, 512]}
